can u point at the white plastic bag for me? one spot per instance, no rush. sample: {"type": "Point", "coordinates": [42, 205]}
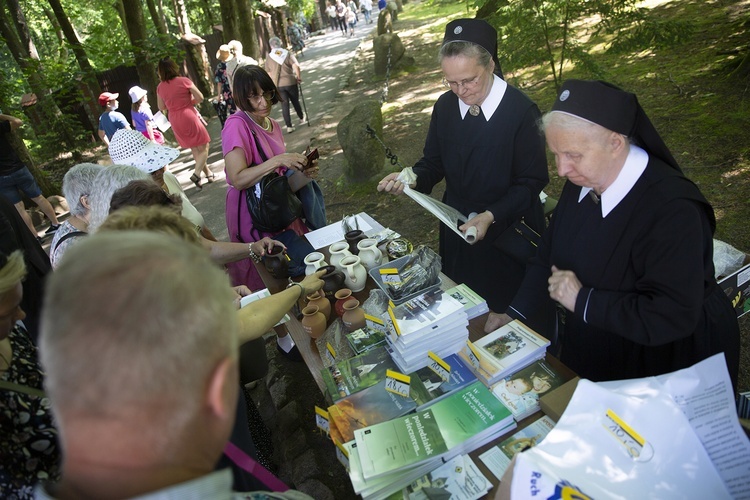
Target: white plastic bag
{"type": "Point", "coordinates": [727, 259]}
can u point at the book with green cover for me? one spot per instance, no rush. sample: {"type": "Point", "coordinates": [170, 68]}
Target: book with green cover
{"type": "Point", "coordinates": [456, 424]}
{"type": "Point", "coordinates": [364, 339]}
{"type": "Point", "coordinates": [368, 407]}
{"type": "Point", "coordinates": [357, 373]}
{"type": "Point", "coordinates": [473, 303]}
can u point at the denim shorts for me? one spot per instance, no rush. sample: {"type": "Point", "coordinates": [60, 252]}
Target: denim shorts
{"type": "Point", "coordinates": [15, 183]}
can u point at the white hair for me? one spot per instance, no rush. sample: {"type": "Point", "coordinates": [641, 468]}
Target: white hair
{"type": "Point", "coordinates": [106, 182]}
{"type": "Point", "coordinates": [77, 183]}
{"type": "Point", "coordinates": [567, 121]}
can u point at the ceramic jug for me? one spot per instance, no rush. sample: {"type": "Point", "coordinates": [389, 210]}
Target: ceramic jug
{"type": "Point", "coordinates": [313, 321]}
{"type": "Point", "coordinates": [341, 297]}
{"type": "Point", "coordinates": [276, 262]}
{"type": "Point", "coordinates": [338, 251]}
{"type": "Point", "coordinates": [319, 300]}
{"type": "Point", "coordinates": [355, 274]}
{"type": "Point", "coordinates": [369, 253]}
{"type": "Point", "coordinates": [313, 262]}
{"type": "Point", "coordinates": [354, 237]}
{"type": "Point", "coordinates": [333, 280]}
{"type": "Point", "coordinates": [354, 316]}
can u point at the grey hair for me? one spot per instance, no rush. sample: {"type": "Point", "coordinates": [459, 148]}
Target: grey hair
{"type": "Point", "coordinates": [106, 182]}
{"type": "Point", "coordinates": [151, 319]}
{"type": "Point", "coordinates": [466, 49]}
{"type": "Point", "coordinates": [275, 42]}
{"type": "Point", "coordinates": [567, 121]}
{"type": "Point", "coordinates": [77, 183]}
{"type": "Point", "coordinates": [13, 272]}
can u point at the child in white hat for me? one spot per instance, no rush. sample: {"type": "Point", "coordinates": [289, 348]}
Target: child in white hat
{"type": "Point", "coordinates": [143, 118]}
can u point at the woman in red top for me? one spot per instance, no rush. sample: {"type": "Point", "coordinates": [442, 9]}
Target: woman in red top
{"type": "Point", "coordinates": [178, 96]}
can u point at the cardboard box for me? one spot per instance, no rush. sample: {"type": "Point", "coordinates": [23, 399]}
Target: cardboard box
{"type": "Point", "coordinates": [553, 403]}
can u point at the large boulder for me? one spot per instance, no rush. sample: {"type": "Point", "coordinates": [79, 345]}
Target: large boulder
{"type": "Point", "coordinates": [380, 46]}
{"type": "Point", "coordinates": [364, 155]}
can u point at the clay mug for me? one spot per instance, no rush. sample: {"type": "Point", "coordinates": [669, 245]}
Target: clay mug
{"type": "Point", "coordinates": [355, 275]}
{"type": "Point", "coordinates": [369, 253]}
{"type": "Point", "coordinates": [333, 280]}
{"type": "Point", "coordinates": [318, 299]}
{"type": "Point", "coordinates": [354, 316]}
{"type": "Point", "coordinates": [353, 237]}
{"type": "Point", "coordinates": [341, 297]}
{"type": "Point", "coordinates": [276, 262]}
{"type": "Point", "coordinates": [313, 321]}
{"type": "Point", "coordinates": [338, 251]}
{"type": "Point", "coordinates": [313, 262]}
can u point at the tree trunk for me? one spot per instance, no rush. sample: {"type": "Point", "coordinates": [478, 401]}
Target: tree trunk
{"type": "Point", "coordinates": [229, 20]}
{"type": "Point", "coordinates": [490, 7]}
{"type": "Point", "coordinates": [247, 29]}
{"type": "Point", "coordinates": [157, 17]}
{"type": "Point", "coordinates": [62, 50]}
{"type": "Point", "coordinates": [24, 52]}
{"type": "Point", "coordinates": [90, 87]}
{"type": "Point", "coordinates": [136, 28]}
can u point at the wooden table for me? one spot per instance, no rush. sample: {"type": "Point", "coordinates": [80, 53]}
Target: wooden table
{"type": "Point", "coordinates": [311, 356]}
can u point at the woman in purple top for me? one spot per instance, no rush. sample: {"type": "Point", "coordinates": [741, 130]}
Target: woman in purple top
{"type": "Point", "coordinates": [245, 165]}
{"type": "Point", "coordinates": [143, 118]}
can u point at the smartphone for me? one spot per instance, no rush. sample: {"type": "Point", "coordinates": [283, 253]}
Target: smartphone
{"type": "Point", "coordinates": [311, 157]}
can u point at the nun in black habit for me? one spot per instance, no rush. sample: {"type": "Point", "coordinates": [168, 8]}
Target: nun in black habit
{"type": "Point", "coordinates": [629, 253]}
{"type": "Point", "coordinates": [485, 142]}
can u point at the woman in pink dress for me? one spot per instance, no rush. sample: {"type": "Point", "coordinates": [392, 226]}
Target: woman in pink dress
{"type": "Point", "coordinates": [178, 96]}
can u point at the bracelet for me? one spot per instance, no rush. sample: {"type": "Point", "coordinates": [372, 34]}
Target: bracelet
{"type": "Point", "coordinates": [301, 289]}
{"type": "Point", "coordinates": [256, 258]}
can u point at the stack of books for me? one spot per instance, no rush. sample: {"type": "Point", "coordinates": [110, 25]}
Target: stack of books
{"type": "Point", "coordinates": [505, 351]}
{"type": "Point", "coordinates": [521, 391]}
{"type": "Point", "coordinates": [457, 479]}
{"type": "Point", "coordinates": [433, 321]}
{"type": "Point", "coordinates": [474, 304]}
{"type": "Point", "coordinates": [428, 387]}
{"type": "Point", "coordinates": [386, 457]}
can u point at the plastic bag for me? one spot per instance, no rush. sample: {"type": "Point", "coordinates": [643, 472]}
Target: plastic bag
{"type": "Point", "coordinates": [727, 259]}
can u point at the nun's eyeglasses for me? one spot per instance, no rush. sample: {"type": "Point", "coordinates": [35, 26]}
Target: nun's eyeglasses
{"type": "Point", "coordinates": [268, 96]}
{"type": "Point", "coordinates": [467, 84]}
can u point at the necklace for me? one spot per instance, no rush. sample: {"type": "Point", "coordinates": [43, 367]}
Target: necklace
{"type": "Point", "coordinates": [474, 110]}
{"type": "Point", "coordinates": [266, 125]}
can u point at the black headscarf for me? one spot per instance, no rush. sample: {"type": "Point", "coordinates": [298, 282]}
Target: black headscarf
{"type": "Point", "coordinates": [476, 31]}
{"type": "Point", "coordinates": [614, 109]}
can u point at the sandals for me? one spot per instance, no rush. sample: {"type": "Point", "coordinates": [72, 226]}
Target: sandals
{"type": "Point", "coordinates": [210, 177]}
{"type": "Point", "coordinates": [196, 180]}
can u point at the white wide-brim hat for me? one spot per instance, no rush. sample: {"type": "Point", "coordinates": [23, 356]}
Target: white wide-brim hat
{"type": "Point", "coordinates": [130, 147]}
{"type": "Point", "coordinates": [136, 93]}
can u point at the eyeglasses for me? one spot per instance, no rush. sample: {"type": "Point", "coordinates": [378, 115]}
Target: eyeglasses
{"type": "Point", "coordinates": [467, 84]}
{"type": "Point", "coordinates": [268, 96]}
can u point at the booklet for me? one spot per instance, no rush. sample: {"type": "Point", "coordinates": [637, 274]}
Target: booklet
{"type": "Point", "coordinates": [498, 459]}
{"type": "Point", "coordinates": [161, 121]}
{"type": "Point", "coordinates": [357, 373]}
{"type": "Point", "coordinates": [521, 391]}
{"type": "Point", "coordinates": [457, 479]}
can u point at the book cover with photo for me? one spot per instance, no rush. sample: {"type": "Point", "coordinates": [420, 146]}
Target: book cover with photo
{"type": "Point", "coordinates": [424, 314]}
{"type": "Point", "coordinates": [360, 372]}
{"type": "Point", "coordinates": [497, 459]}
{"type": "Point", "coordinates": [368, 407]}
{"type": "Point", "coordinates": [364, 339]}
{"type": "Point", "coordinates": [457, 479]}
{"type": "Point", "coordinates": [428, 387]}
{"type": "Point", "coordinates": [521, 391]}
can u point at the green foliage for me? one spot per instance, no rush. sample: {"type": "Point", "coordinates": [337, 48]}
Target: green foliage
{"type": "Point", "coordinates": [557, 33]}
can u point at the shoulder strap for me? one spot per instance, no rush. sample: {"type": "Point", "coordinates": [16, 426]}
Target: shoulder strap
{"type": "Point", "coordinates": [248, 464]}
{"type": "Point", "coordinates": [12, 386]}
{"type": "Point", "coordinates": [71, 234]}
{"type": "Point", "coordinates": [262, 156]}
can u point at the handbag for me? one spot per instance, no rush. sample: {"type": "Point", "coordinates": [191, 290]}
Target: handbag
{"type": "Point", "coordinates": [518, 241]}
{"type": "Point", "coordinates": [271, 202]}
